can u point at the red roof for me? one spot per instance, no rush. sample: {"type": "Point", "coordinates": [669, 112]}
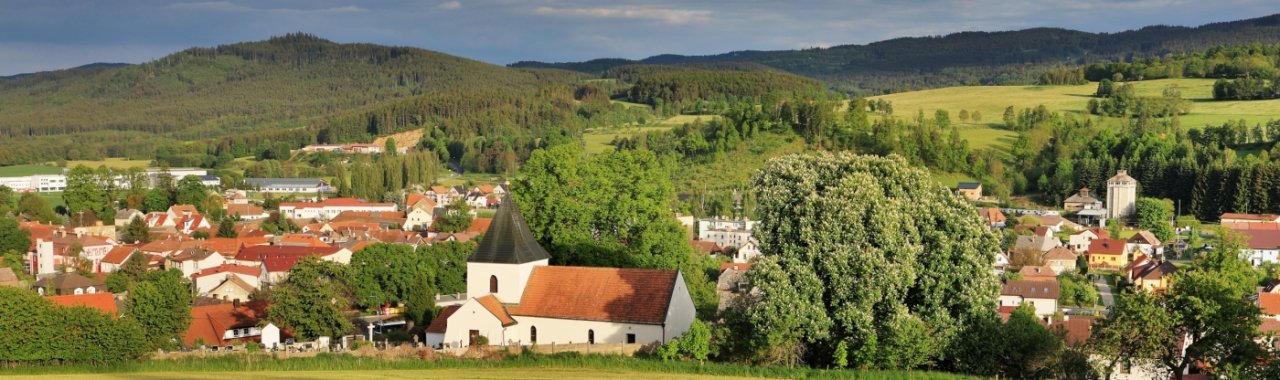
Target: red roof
{"type": "Point", "coordinates": [1145, 237]}
{"type": "Point", "coordinates": [244, 210]}
{"type": "Point", "coordinates": [479, 225]}
{"type": "Point", "coordinates": [209, 323]}
{"type": "Point", "coordinates": [706, 247]}
{"type": "Point", "coordinates": [119, 254]}
{"type": "Point", "coordinates": [1254, 217]}
{"type": "Point", "coordinates": [441, 322]}
{"type": "Point", "coordinates": [1262, 239]}
{"type": "Point", "coordinates": [494, 307]}
{"type": "Point", "coordinates": [598, 294]}
{"type": "Point", "coordinates": [335, 202]}
{"type": "Point", "coordinates": [735, 266]}
{"type": "Point", "coordinates": [104, 301]}
{"type": "Point", "coordinates": [1269, 303]}
{"type": "Point", "coordinates": [1106, 247]}
{"type": "Point", "coordinates": [229, 268]}
{"type": "Point", "coordinates": [992, 215]}
{"type": "Point", "coordinates": [304, 240]}
{"type": "Point", "coordinates": [282, 258]}
{"type": "Point", "coordinates": [1078, 329]}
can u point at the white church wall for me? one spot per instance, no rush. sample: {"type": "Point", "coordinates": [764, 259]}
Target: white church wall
{"type": "Point", "coordinates": [569, 331]}
{"type": "Point", "coordinates": [511, 279]}
{"type": "Point", "coordinates": [473, 316]}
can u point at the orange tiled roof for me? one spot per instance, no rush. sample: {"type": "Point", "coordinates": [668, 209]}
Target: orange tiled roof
{"type": "Point", "coordinates": [119, 254]}
{"type": "Point", "coordinates": [244, 209]}
{"type": "Point", "coordinates": [598, 294]}
{"type": "Point", "coordinates": [441, 322]}
{"type": "Point", "coordinates": [494, 307]}
{"type": "Point", "coordinates": [1255, 217]}
{"type": "Point", "coordinates": [1106, 247]}
{"type": "Point", "coordinates": [1078, 328]}
{"type": "Point", "coordinates": [992, 214]}
{"type": "Point", "coordinates": [168, 245]}
{"type": "Point", "coordinates": [735, 266]}
{"type": "Point", "coordinates": [706, 247]}
{"type": "Point", "coordinates": [184, 209]}
{"type": "Point", "coordinates": [1269, 303]}
{"type": "Point", "coordinates": [302, 240]}
{"type": "Point", "coordinates": [104, 301]}
{"type": "Point", "coordinates": [229, 268]}
{"type": "Point", "coordinates": [209, 323]}
{"type": "Point", "coordinates": [479, 225]}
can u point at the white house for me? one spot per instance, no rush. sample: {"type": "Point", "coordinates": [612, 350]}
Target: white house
{"type": "Point", "coordinates": [1079, 242]}
{"type": "Point", "coordinates": [1263, 246]}
{"type": "Point", "coordinates": [288, 185]}
{"type": "Point", "coordinates": [1042, 295]}
{"type": "Point", "coordinates": [206, 280]}
{"type": "Point", "coordinates": [330, 208]}
{"type": "Point", "coordinates": [515, 298]}
{"type": "Point", "coordinates": [193, 260]}
{"type": "Point", "coordinates": [747, 252]}
{"type": "Point", "coordinates": [726, 232]}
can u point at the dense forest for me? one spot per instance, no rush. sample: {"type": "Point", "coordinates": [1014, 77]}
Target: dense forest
{"type": "Point", "coordinates": [968, 58]}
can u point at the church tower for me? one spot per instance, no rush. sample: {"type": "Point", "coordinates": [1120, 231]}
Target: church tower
{"type": "Point", "coordinates": [501, 264]}
{"type": "Point", "coordinates": [1122, 194]}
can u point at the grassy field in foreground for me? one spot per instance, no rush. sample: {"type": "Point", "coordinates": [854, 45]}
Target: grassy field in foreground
{"type": "Point", "coordinates": [26, 170]}
{"type": "Point", "coordinates": [991, 102]}
{"type": "Point", "coordinates": [114, 163]}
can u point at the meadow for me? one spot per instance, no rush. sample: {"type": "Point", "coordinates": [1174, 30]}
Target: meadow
{"type": "Point", "coordinates": [991, 102]}
{"type": "Point", "coordinates": [114, 163]}
{"type": "Point", "coordinates": [26, 170]}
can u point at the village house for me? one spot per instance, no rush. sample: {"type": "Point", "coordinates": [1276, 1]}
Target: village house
{"type": "Point", "coordinates": [1041, 241]}
{"type": "Point", "coordinates": [68, 284]}
{"type": "Point", "coordinates": [245, 211]}
{"type": "Point", "coordinates": [59, 249]}
{"type": "Point", "coordinates": [1146, 243]}
{"type": "Point", "coordinates": [228, 323]}
{"type": "Point", "coordinates": [233, 289]}
{"type": "Point", "coordinates": [970, 190]}
{"type": "Point", "coordinates": [288, 185]}
{"type": "Point", "coordinates": [732, 284]}
{"type": "Point", "coordinates": [330, 208]}
{"type": "Point", "coordinates": [515, 298]}
{"type": "Point", "coordinates": [746, 252]}
{"type": "Point", "coordinates": [419, 201]}
{"type": "Point", "coordinates": [1149, 274]}
{"type": "Point", "coordinates": [1081, 200]}
{"type": "Point", "coordinates": [1037, 273]}
{"type": "Point", "coordinates": [1058, 224]}
{"type": "Point", "coordinates": [279, 260]}
{"type": "Point", "coordinates": [210, 278]}
{"type": "Point", "coordinates": [123, 217]}
{"type": "Point", "coordinates": [1108, 254]}
{"type": "Point", "coordinates": [9, 278]}
{"type": "Point", "coordinates": [1079, 241]}
{"type": "Point", "coordinates": [726, 232]}
{"type": "Point", "coordinates": [101, 301]}
{"type": "Point", "coordinates": [193, 260]}
{"type": "Point", "coordinates": [1042, 295]}
{"type": "Point", "coordinates": [384, 219]}
{"type": "Point", "coordinates": [1262, 236]}
{"type": "Point", "coordinates": [993, 217]}
{"type": "Point", "coordinates": [1060, 259]}
{"type": "Point", "coordinates": [443, 195]}
{"type": "Point", "coordinates": [1233, 218]}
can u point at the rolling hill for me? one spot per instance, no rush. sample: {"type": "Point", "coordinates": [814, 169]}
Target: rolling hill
{"type": "Point", "coordinates": [966, 58]}
{"type": "Point", "coordinates": [290, 81]}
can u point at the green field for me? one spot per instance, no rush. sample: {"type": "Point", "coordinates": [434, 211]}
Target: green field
{"type": "Point", "coordinates": [597, 141]}
{"type": "Point", "coordinates": [685, 119]}
{"type": "Point", "coordinates": [26, 170]}
{"type": "Point", "coordinates": [114, 163]}
{"type": "Point", "coordinates": [991, 102]}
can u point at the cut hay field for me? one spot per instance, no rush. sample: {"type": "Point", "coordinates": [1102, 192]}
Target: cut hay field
{"type": "Point", "coordinates": [991, 102]}
{"type": "Point", "coordinates": [114, 163]}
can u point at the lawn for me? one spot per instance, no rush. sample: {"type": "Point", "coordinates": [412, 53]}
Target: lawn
{"type": "Point", "coordinates": [26, 170]}
{"type": "Point", "coordinates": [597, 141]}
{"type": "Point", "coordinates": [950, 180]}
{"type": "Point", "coordinates": [114, 163]}
{"type": "Point", "coordinates": [991, 102]}
{"type": "Point", "coordinates": [684, 119]}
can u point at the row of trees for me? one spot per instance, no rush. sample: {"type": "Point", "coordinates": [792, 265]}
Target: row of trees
{"type": "Point", "coordinates": [1247, 88]}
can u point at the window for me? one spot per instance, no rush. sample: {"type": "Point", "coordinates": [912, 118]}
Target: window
{"type": "Point", "coordinates": [533, 334]}
{"type": "Point", "coordinates": [591, 336]}
{"type": "Point", "coordinates": [493, 284]}
{"type": "Point", "coordinates": [631, 338]}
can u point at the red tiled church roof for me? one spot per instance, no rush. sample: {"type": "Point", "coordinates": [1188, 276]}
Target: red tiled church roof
{"type": "Point", "coordinates": [598, 294]}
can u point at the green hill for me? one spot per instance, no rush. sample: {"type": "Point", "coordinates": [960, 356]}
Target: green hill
{"type": "Point", "coordinates": [284, 82]}
{"type": "Point", "coordinates": [967, 58]}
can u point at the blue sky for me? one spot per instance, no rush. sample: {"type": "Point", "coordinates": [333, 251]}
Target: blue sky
{"type": "Point", "coordinates": [49, 34]}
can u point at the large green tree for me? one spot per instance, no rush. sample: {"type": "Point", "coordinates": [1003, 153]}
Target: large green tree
{"type": "Point", "coordinates": [311, 300]}
{"type": "Point", "coordinates": [611, 209]}
{"type": "Point", "coordinates": [191, 192]}
{"type": "Point", "coordinates": [34, 331]}
{"type": "Point", "coordinates": [161, 303]}
{"type": "Point", "coordinates": [136, 231]}
{"type": "Point", "coordinates": [1156, 215]}
{"type": "Point", "coordinates": [36, 207]}
{"type": "Point", "coordinates": [383, 273]}
{"type": "Point", "coordinates": [13, 238]}
{"type": "Point", "coordinates": [456, 218]}
{"type": "Point", "coordinates": [869, 251]}
{"type": "Point", "coordinates": [86, 192]}
{"type": "Point", "coordinates": [1136, 332]}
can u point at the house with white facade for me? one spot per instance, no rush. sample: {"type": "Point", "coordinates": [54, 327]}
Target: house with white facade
{"type": "Point", "coordinates": [726, 232]}
{"type": "Point", "coordinates": [515, 298]}
{"type": "Point", "coordinates": [288, 185]}
{"type": "Point", "coordinates": [330, 208]}
{"type": "Point", "coordinates": [1042, 295]}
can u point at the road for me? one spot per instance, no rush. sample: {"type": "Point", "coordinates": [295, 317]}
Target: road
{"type": "Point", "coordinates": [1104, 292]}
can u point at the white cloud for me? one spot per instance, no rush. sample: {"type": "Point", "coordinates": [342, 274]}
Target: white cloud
{"type": "Point", "coordinates": [450, 5]}
{"type": "Point", "coordinates": [227, 6]}
{"type": "Point", "coordinates": [670, 16]}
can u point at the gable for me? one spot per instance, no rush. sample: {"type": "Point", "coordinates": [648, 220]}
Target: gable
{"type": "Point", "coordinates": [598, 294]}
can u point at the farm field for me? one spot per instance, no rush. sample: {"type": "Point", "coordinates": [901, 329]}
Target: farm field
{"type": "Point", "coordinates": [114, 163]}
{"type": "Point", "coordinates": [597, 141]}
{"type": "Point", "coordinates": [26, 170]}
{"type": "Point", "coordinates": [991, 102]}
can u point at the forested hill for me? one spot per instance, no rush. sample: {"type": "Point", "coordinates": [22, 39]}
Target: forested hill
{"type": "Point", "coordinates": [967, 58]}
{"type": "Point", "coordinates": [284, 82]}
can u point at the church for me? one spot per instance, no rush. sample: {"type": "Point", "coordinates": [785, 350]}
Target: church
{"type": "Point", "coordinates": [514, 297]}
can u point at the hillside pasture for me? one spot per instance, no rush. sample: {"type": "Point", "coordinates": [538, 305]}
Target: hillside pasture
{"type": "Point", "coordinates": [114, 163]}
{"type": "Point", "coordinates": [597, 141]}
{"type": "Point", "coordinates": [991, 102]}
{"type": "Point", "coordinates": [26, 170]}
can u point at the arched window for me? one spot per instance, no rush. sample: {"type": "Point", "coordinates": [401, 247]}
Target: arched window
{"type": "Point", "coordinates": [533, 334]}
{"type": "Point", "coordinates": [591, 336]}
{"type": "Point", "coordinates": [493, 284]}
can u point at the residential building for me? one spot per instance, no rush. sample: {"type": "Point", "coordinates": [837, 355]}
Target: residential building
{"type": "Point", "coordinates": [1037, 273]}
{"type": "Point", "coordinates": [1149, 274]}
{"type": "Point", "coordinates": [225, 324]}
{"type": "Point", "coordinates": [9, 278]}
{"type": "Point", "coordinates": [1263, 246]}
{"type": "Point", "coordinates": [970, 190]}
{"type": "Point", "coordinates": [515, 298]}
{"type": "Point", "coordinates": [68, 284]}
{"type": "Point", "coordinates": [993, 217]}
{"type": "Point", "coordinates": [726, 232]}
{"type": "Point", "coordinates": [101, 301]}
{"type": "Point", "coordinates": [1080, 240]}
{"type": "Point", "coordinates": [123, 217]}
{"type": "Point", "coordinates": [288, 185]}
{"type": "Point", "coordinates": [193, 260]}
{"type": "Point", "coordinates": [1146, 243]}
{"type": "Point", "coordinates": [1042, 295]}
{"type": "Point", "coordinates": [1231, 217]}
{"type": "Point", "coordinates": [279, 260]}
{"type": "Point", "coordinates": [330, 208]}
{"type": "Point", "coordinates": [1122, 195]}
{"type": "Point", "coordinates": [246, 211]}
{"type": "Point", "coordinates": [1060, 259]}
{"type": "Point", "coordinates": [210, 278]}
{"type": "Point", "coordinates": [1108, 254]}
{"type": "Point", "coordinates": [1081, 200]}
{"type": "Point", "coordinates": [1041, 241]}
{"type": "Point", "coordinates": [233, 289]}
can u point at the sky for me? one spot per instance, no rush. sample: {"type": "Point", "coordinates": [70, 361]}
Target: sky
{"type": "Point", "coordinates": [44, 35]}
